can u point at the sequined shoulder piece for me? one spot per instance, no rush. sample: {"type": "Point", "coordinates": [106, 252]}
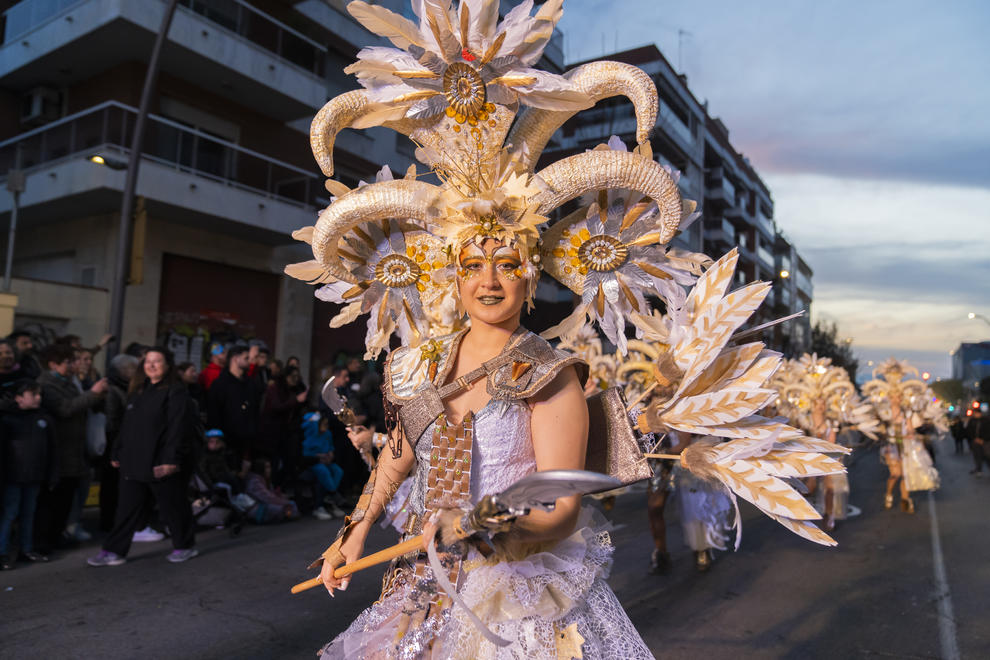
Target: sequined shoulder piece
{"type": "Point", "coordinates": [408, 369]}
{"type": "Point", "coordinates": [534, 365]}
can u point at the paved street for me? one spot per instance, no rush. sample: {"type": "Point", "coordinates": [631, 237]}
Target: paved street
{"type": "Point", "coordinates": [873, 596]}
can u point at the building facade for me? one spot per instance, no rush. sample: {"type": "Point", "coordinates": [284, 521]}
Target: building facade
{"type": "Point", "coordinates": [737, 207]}
{"type": "Point", "coordinates": [226, 173]}
{"type": "Point", "coordinates": [971, 364]}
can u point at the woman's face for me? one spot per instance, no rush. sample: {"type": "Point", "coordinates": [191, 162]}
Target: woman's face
{"type": "Point", "coordinates": [491, 283]}
{"type": "Point", "coordinates": [84, 363]}
{"type": "Point", "coordinates": [189, 376]}
{"type": "Point", "coordinates": [155, 366]}
{"type": "Point", "coordinates": [292, 379]}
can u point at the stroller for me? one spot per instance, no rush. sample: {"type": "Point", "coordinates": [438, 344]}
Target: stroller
{"type": "Point", "coordinates": [217, 506]}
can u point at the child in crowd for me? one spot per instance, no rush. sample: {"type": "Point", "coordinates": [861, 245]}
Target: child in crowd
{"type": "Point", "coordinates": [270, 506]}
{"type": "Point", "coordinates": [318, 451]}
{"type": "Point", "coordinates": [29, 465]}
{"type": "Point", "coordinates": [217, 465]}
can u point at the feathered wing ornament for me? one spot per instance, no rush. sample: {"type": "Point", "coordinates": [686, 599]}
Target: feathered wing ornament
{"type": "Point", "coordinates": [812, 381]}
{"type": "Point", "coordinates": [611, 253]}
{"type": "Point", "coordinates": [892, 380]}
{"type": "Point", "coordinates": [398, 271]}
{"type": "Point", "coordinates": [704, 387]}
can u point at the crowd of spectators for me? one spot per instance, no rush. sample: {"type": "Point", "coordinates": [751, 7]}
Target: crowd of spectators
{"type": "Point", "coordinates": [172, 448]}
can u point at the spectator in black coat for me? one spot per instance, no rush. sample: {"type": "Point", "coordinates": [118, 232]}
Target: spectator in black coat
{"type": "Point", "coordinates": [281, 415]}
{"type": "Point", "coordinates": [119, 375]}
{"type": "Point", "coordinates": [69, 406]}
{"type": "Point", "coordinates": [153, 452]}
{"type": "Point", "coordinates": [26, 355]}
{"type": "Point", "coordinates": [29, 465]}
{"type": "Point", "coordinates": [978, 434]}
{"type": "Point", "coordinates": [233, 401]}
{"type": "Point", "coordinates": [10, 376]}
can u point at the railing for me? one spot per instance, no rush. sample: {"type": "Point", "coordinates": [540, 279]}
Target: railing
{"type": "Point", "coordinates": [765, 223]}
{"type": "Point", "coordinates": [803, 283]}
{"type": "Point", "coordinates": [765, 255]}
{"type": "Point", "coordinates": [237, 16]}
{"type": "Point", "coordinates": [29, 14]}
{"type": "Point", "coordinates": [671, 123]}
{"type": "Point", "coordinates": [110, 125]}
{"type": "Point", "coordinates": [719, 186]}
{"type": "Point", "coordinates": [262, 30]}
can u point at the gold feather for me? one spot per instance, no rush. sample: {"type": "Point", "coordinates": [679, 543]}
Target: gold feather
{"type": "Point", "coordinates": [806, 529]}
{"type": "Point", "coordinates": [399, 30]}
{"type": "Point", "coordinates": [309, 271]}
{"type": "Point", "coordinates": [654, 271]}
{"type": "Point", "coordinates": [493, 49]}
{"type": "Point", "coordinates": [305, 234]}
{"type": "Point", "coordinates": [336, 188]}
{"type": "Point", "coordinates": [346, 315]}
{"type": "Point", "coordinates": [513, 81]}
{"type": "Point", "coordinates": [465, 21]}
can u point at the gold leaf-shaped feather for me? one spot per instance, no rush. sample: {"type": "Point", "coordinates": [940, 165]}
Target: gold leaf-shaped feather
{"type": "Point", "coordinates": [767, 493]}
{"type": "Point", "coordinates": [346, 315]}
{"type": "Point", "coordinates": [715, 408]}
{"type": "Point", "coordinates": [806, 529]}
{"type": "Point", "coordinates": [336, 188]}
{"type": "Point", "coordinates": [729, 364]}
{"type": "Point", "coordinates": [399, 30]}
{"type": "Point", "coordinates": [305, 235]}
{"type": "Point", "coordinates": [309, 271]}
{"type": "Point", "coordinates": [797, 464]}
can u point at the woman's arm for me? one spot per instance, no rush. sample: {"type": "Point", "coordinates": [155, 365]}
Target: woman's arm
{"type": "Point", "coordinates": [559, 425]}
{"type": "Point", "coordinates": [385, 479]}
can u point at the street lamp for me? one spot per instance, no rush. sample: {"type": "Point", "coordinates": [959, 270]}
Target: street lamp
{"type": "Point", "coordinates": [112, 163]}
{"type": "Point", "coordinates": [784, 274]}
{"type": "Point", "coordinates": [974, 315]}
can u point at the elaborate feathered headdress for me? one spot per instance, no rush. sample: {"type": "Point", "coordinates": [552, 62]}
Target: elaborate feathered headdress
{"type": "Point", "coordinates": [454, 84]}
{"type": "Point", "coordinates": [812, 380]}
{"type": "Point", "coordinates": [893, 379]}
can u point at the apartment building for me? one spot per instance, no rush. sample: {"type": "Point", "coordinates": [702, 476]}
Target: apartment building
{"type": "Point", "coordinates": [737, 207]}
{"type": "Point", "coordinates": [226, 172]}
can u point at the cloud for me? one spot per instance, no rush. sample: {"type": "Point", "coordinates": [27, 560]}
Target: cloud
{"type": "Point", "coordinates": [942, 273]}
{"type": "Point", "coordinates": [889, 89]}
{"type": "Point", "coordinates": [868, 123]}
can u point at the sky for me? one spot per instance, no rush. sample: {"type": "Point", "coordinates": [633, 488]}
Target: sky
{"type": "Point", "coordinates": [868, 121]}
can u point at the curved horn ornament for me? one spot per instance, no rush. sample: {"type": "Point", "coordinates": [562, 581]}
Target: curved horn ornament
{"type": "Point", "coordinates": [598, 80]}
{"type": "Point", "coordinates": [573, 176]}
{"type": "Point", "coordinates": [352, 109]}
{"type": "Point", "coordinates": [415, 200]}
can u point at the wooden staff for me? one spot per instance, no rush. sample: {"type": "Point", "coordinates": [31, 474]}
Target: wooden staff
{"type": "Point", "coordinates": [380, 557]}
{"type": "Point", "coordinates": [672, 457]}
{"type": "Point", "coordinates": [642, 396]}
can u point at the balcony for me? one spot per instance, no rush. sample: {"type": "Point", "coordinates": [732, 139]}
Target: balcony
{"type": "Point", "coordinates": [718, 188]}
{"type": "Point", "coordinates": [670, 124]}
{"type": "Point", "coordinates": [803, 283]}
{"type": "Point", "coordinates": [765, 225]}
{"type": "Point", "coordinates": [765, 256]}
{"type": "Point", "coordinates": [720, 232]}
{"type": "Point", "coordinates": [226, 46]}
{"type": "Point", "coordinates": [182, 167]}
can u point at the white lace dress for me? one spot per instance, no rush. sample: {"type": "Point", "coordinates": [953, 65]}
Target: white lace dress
{"type": "Point", "coordinates": [531, 602]}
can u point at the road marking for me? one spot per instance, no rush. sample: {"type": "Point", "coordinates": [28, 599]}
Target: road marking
{"type": "Point", "coordinates": [947, 641]}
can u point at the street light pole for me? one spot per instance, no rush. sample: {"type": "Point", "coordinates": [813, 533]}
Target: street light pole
{"type": "Point", "coordinates": [974, 315]}
{"type": "Point", "coordinates": [15, 184]}
{"type": "Point", "coordinates": [127, 205]}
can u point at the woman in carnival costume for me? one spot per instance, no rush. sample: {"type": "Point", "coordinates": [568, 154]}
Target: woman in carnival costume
{"type": "Point", "coordinates": [818, 397]}
{"type": "Point", "coordinates": [893, 394]}
{"type": "Point", "coordinates": [474, 411]}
